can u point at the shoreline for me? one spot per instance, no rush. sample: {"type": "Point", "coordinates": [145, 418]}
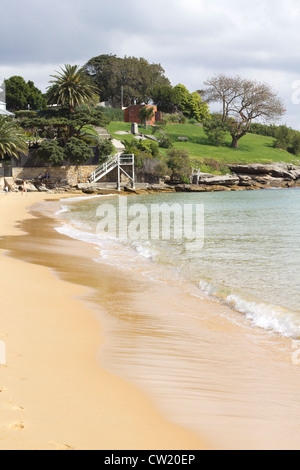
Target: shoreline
{"type": "Point", "coordinates": [53, 393]}
{"type": "Point", "coordinates": [181, 372]}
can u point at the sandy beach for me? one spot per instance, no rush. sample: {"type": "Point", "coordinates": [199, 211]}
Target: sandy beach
{"type": "Point", "coordinates": [53, 393]}
{"type": "Point", "coordinates": [101, 358]}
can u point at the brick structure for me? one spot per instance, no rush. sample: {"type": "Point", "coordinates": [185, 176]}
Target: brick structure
{"type": "Point", "coordinates": [131, 114]}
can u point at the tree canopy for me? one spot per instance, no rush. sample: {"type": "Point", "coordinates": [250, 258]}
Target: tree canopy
{"type": "Point", "coordinates": [12, 139]}
{"type": "Point", "coordinates": [178, 98]}
{"type": "Point", "coordinates": [72, 87]}
{"type": "Point", "coordinates": [61, 124]}
{"type": "Point", "coordinates": [125, 81]}
{"type": "Point", "coordinates": [20, 95]}
{"type": "Point", "coordinates": [243, 101]}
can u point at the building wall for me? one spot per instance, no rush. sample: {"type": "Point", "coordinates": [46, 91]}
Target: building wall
{"type": "Point", "coordinates": [131, 114]}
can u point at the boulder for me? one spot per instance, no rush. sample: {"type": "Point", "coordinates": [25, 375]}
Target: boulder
{"type": "Point", "coordinates": [42, 189]}
{"type": "Point", "coordinates": [31, 188]}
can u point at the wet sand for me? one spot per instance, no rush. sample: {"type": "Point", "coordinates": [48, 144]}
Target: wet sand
{"type": "Point", "coordinates": [53, 392]}
{"type": "Point", "coordinates": [100, 357]}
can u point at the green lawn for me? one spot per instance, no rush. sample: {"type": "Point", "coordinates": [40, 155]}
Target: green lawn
{"type": "Point", "coordinates": [253, 148]}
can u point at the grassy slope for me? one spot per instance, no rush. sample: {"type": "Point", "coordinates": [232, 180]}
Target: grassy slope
{"type": "Point", "coordinates": [253, 148]}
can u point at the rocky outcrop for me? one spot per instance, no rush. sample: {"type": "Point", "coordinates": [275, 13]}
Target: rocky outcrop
{"type": "Point", "coordinates": [271, 175]}
{"type": "Point", "coordinates": [220, 180]}
{"type": "Point", "coordinates": [276, 171]}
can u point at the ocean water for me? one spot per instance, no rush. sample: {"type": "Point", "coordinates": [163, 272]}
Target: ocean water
{"type": "Point", "coordinates": [248, 259]}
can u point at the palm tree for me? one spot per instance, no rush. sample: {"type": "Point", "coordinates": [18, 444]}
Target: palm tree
{"type": "Point", "coordinates": [72, 87]}
{"type": "Point", "coordinates": [12, 139]}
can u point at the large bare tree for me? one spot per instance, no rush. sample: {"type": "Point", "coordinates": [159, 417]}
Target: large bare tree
{"type": "Point", "coordinates": [243, 101]}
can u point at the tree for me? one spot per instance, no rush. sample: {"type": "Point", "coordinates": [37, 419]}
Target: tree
{"type": "Point", "coordinates": [146, 114]}
{"type": "Point", "coordinates": [243, 101]}
{"type": "Point", "coordinates": [164, 97]}
{"type": "Point", "coordinates": [72, 87]}
{"type": "Point", "coordinates": [182, 98]}
{"type": "Point", "coordinates": [287, 139]}
{"type": "Point", "coordinates": [60, 124]}
{"type": "Point", "coordinates": [197, 108]}
{"type": "Point", "coordinates": [20, 94]}
{"type": "Point", "coordinates": [283, 135]}
{"type": "Point", "coordinates": [125, 81]}
{"type": "Point", "coordinates": [12, 139]}
{"type": "Point", "coordinates": [178, 98]}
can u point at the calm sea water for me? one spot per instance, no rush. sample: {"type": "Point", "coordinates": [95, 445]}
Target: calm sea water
{"type": "Point", "coordinates": [250, 258]}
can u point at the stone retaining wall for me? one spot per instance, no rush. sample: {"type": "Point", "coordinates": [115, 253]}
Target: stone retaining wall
{"type": "Point", "coordinates": [66, 174]}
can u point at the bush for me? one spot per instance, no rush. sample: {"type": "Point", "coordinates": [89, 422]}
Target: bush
{"type": "Point", "coordinates": [77, 151]}
{"type": "Point", "coordinates": [153, 166]}
{"type": "Point", "coordinates": [294, 147]}
{"type": "Point", "coordinates": [175, 118]}
{"type": "Point", "coordinates": [178, 161]}
{"type": "Point", "coordinates": [113, 114]}
{"type": "Point", "coordinates": [165, 141]}
{"type": "Point", "coordinates": [51, 153]}
{"type": "Point", "coordinates": [215, 130]}
{"type": "Point", "coordinates": [106, 147]}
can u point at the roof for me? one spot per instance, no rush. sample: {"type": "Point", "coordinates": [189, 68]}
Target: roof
{"type": "Point", "coordinates": [3, 112]}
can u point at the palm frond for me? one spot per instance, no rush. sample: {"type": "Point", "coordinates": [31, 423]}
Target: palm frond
{"type": "Point", "coordinates": [12, 139]}
{"type": "Point", "coordinates": [72, 87]}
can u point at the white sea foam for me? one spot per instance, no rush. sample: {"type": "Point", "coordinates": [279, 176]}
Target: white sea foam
{"type": "Point", "coordinates": [86, 198]}
{"type": "Point", "coordinates": [261, 315]}
{"type": "Point", "coordinates": [62, 210]}
{"type": "Point", "coordinates": [207, 288]}
{"type": "Point", "coordinates": [268, 317]}
{"type": "Point", "coordinates": [145, 250]}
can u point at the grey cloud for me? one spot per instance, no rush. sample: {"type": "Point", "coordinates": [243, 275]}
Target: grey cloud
{"type": "Point", "coordinates": [192, 39]}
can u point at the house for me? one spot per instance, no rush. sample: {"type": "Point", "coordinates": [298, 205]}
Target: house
{"type": "Point", "coordinates": [3, 110]}
{"type": "Point", "coordinates": [131, 114]}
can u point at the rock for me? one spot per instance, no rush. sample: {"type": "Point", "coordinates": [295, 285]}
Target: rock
{"type": "Point", "coordinates": [9, 181]}
{"type": "Point", "coordinates": [251, 169]}
{"type": "Point", "coordinates": [42, 189]}
{"type": "Point", "coordinates": [31, 188]}
{"type": "Point", "coordinates": [221, 180]}
{"type": "Point", "coordinates": [193, 188]}
{"type": "Point", "coordinates": [275, 170]}
{"type": "Point", "coordinates": [245, 180]}
{"type": "Point", "coordinates": [151, 137]}
{"type": "Point", "coordinates": [161, 187]}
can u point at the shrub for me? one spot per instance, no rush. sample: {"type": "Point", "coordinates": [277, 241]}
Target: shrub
{"type": "Point", "coordinates": [165, 141]}
{"type": "Point", "coordinates": [179, 162]}
{"type": "Point", "coordinates": [113, 114]}
{"type": "Point", "coordinates": [215, 130]}
{"type": "Point", "coordinates": [77, 151]}
{"type": "Point", "coordinates": [106, 147]}
{"type": "Point", "coordinates": [175, 118]}
{"type": "Point", "coordinates": [51, 153]}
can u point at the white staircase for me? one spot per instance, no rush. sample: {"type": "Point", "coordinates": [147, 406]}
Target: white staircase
{"type": "Point", "coordinates": [118, 160]}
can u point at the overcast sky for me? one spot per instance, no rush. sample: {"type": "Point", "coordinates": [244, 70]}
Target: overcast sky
{"type": "Point", "coordinates": [191, 39]}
